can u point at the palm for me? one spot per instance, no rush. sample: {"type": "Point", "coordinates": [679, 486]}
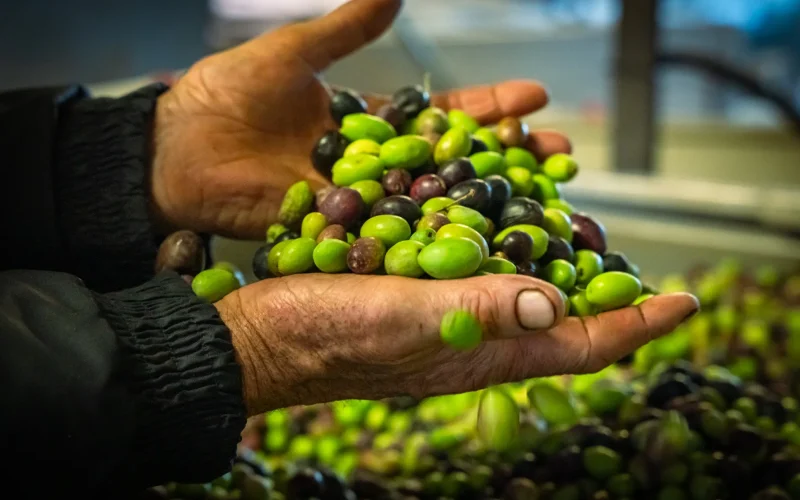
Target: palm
{"type": "Point", "coordinates": [237, 130]}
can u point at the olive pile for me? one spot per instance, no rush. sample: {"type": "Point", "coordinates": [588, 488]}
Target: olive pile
{"type": "Point", "coordinates": [675, 433]}
{"type": "Point", "coordinates": [423, 193]}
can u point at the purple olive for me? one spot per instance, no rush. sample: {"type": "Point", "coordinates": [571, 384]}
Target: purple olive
{"type": "Point", "coordinates": [518, 246]}
{"type": "Point", "coordinates": [396, 181]}
{"type": "Point", "coordinates": [588, 233]}
{"type": "Point", "coordinates": [343, 206]}
{"type": "Point", "coordinates": [456, 171]}
{"type": "Point", "coordinates": [392, 114]}
{"type": "Point", "coordinates": [426, 187]}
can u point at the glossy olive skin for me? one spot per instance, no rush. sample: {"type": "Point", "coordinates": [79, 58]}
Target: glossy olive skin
{"type": "Point", "coordinates": [474, 193]}
{"type": "Point", "coordinates": [588, 233]}
{"type": "Point", "coordinates": [346, 102]}
{"type": "Point", "coordinates": [456, 171]}
{"type": "Point", "coordinates": [518, 246]}
{"type": "Point", "coordinates": [411, 100]}
{"type": "Point", "coordinates": [287, 236]}
{"type": "Point", "coordinates": [392, 114]}
{"type": "Point", "coordinates": [400, 205]}
{"type": "Point", "coordinates": [478, 146]}
{"type": "Point", "coordinates": [521, 210]}
{"type": "Point", "coordinates": [183, 252]}
{"type": "Point", "coordinates": [617, 261]}
{"type": "Point", "coordinates": [501, 193]}
{"type": "Point", "coordinates": [557, 248]}
{"type": "Point", "coordinates": [396, 181]}
{"type": "Point", "coordinates": [260, 269]}
{"type": "Point", "coordinates": [426, 187]}
{"type": "Point", "coordinates": [327, 151]}
{"type": "Point", "coordinates": [343, 206]}
{"type": "Point", "coordinates": [512, 132]}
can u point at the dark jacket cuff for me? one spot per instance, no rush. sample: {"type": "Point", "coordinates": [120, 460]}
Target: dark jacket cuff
{"type": "Point", "coordinates": [186, 381]}
{"type": "Point", "coordinates": [102, 164]}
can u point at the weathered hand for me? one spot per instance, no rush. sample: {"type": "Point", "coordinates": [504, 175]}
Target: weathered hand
{"type": "Point", "coordinates": [237, 129]}
{"type": "Point", "coordinates": [314, 338]}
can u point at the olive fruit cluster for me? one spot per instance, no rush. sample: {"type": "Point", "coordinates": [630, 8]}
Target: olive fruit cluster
{"type": "Point", "coordinates": [675, 433]}
{"type": "Point", "coordinates": [423, 193]}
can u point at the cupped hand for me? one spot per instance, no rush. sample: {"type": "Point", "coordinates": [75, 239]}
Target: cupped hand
{"type": "Point", "coordinates": [237, 129]}
{"type": "Point", "coordinates": [316, 338]}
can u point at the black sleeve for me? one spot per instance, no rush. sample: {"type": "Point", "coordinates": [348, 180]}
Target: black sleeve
{"type": "Point", "coordinates": [115, 391]}
{"type": "Point", "coordinates": [74, 193]}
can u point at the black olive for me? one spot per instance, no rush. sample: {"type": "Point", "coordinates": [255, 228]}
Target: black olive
{"type": "Point", "coordinates": [260, 269]}
{"type": "Point", "coordinates": [478, 146]}
{"type": "Point", "coordinates": [686, 368]}
{"type": "Point", "coordinates": [745, 440]}
{"type": "Point", "coordinates": [346, 102]}
{"type": "Point", "coordinates": [567, 464]}
{"type": "Point", "coordinates": [327, 151]}
{"type": "Point", "coordinates": [412, 100]}
{"type": "Point", "coordinates": [305, 483]}
{"type": "Point", "coordinates": [501, 193]}
{"type": "Point", "coordinates": [669, 388]}
{"type": "Point", "coordinates": [474, 193]}
{"type": "Point", "coordinates": [288, 235]}
{"type": "Point", "coordinates": [521, 210]}
{"type": "Point", "coordinates": [557, 248]}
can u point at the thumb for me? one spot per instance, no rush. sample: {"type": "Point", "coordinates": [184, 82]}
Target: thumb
{"type": "Point", "coordinates": [345, 30]}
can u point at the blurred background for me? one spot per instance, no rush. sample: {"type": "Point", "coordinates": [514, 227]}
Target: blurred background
{"type": "Point", "coordinates": [683, 113]}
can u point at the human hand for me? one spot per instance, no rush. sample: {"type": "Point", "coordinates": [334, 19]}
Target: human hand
{"type": "Point", "coordinates": [237, 129]}
{"type": "Point", "coordinates": [315, 338]}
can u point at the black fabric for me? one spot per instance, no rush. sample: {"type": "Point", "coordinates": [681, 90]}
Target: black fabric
{"type": "Point", "coordinates": [111, 380]}
{"type": "Point", "coordinates": [113, 392]}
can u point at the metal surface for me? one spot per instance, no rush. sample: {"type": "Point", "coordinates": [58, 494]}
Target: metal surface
{"type": "Point", "coordinates": [634, 91]}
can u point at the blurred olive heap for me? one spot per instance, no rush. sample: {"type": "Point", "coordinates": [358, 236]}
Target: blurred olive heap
{"type": "Point", "coordinates": [708, 412]}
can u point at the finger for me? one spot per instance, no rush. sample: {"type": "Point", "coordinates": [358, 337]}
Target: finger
{"type": "Point", "coordinates": [545, 143]}
{"type": "Point", "coordinates": [491, 103]}
{"type": "Point", "coordinates": [345, 30]}
{"type": "Point", "coordinates": [586, 345]}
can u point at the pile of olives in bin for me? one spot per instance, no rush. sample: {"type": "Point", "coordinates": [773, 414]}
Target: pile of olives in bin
{"type": "Point", "coordinates": [422, 193]}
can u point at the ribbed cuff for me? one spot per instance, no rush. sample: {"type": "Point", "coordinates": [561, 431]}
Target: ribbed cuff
{"type": "Point", "coordinates": [184, 378]}
{"type": "Point", "coordinates": [102, 164]}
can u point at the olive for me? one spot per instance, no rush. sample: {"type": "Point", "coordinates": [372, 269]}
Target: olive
{"type": "Point", "coordinates": [612, 290]}
{"type": "Point", "coordinates": [396, 181]}
{"type": "Point", "coordinates": [512, 132]}
{"type": "Point", "coordinates": [411, 100]}
{"type": "Point", "coordinates": [557, 248]}
{"type": "Point", "coordinates": [432, 120]}
{"type": "Point", "coordinates": [588, 233]}
{"type": "Point", "coordinates": [521, 488]}
{"type": "Point", "coordinates": [305, 483]}
{"type": "Point", "coordinates": [433, 220]}
{"type": "Point", "coordinates": [567, 464]}
{"type": "Point", "coordinates": [745, 440]}
{"type": "Point", "coordinates": [588, 265]}
{"type": "Point", "coordinates": [346, 102]}
{"type": "Point", "coordinates": [344, 206]}
{"type": "Point", "coordinates": [528, 269]}
{"type": "Point", "coordinates": [297, 203]}
{"type": "Point", "coordinates": [663, 392]}
{"type": "Point", "coordinates": [392, 114]}
{"type": "Point", "coordinates": [319, 197]}
{"type": "Point", "coordinates": [182, 252]}
{"type": "Point", "coordinates": [478, 146]}
{"type": "Point", "coordinates": [521, 210]}
{"type": "Point", "coordinates": [333, 232]}
{"type": "Point", "coordinates": [460, 329]}
{"type": "Point", "coordinates": [617, 261]}
{"type": "Point", "coordinates": [501, 193]}
{"type": "Point", "coordinates": [474, 193]}
{"type": "Point", "coordinates": [327, 151]}
{"type": "Point", "coordinates": [287, 236]}
{"type": "Point", "coordinates": [426, 187]}
{"type": "Point", "coordinates": [518, 246]}
{"type": "Point", "coordinates": [260, 269]}
{"type": "Point", "coordinates": [399, 205]}
{"type": "Point", "coordinates": [366, 255]}
{"type": "Point", "coordinates": [456, 171]}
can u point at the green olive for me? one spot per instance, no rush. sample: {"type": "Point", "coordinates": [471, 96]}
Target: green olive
{"type": "Point", "coordinates": [451, 258]}
{"type": "Point", "coordinates": [402, 259]}
{"type": "Point", "coordinates": [459, 118]}
{"type": "Point", "coordinates": [560, 167]}
{"type": "Point", "coordinates": [455, 143]}
{"type": "Point", "coordinates": [544, 188]}
{"type": "Point", "coordinates": [601, 462]}
{"type": "Point", "coordinates": [275, 230]}
{"type": "Point", "coordinates": [588, 264]}
{"type": "Point", "coordinates": [560, 204]}
{"type": "Point", "coordinates": [436, 204]}
{"type": "Point", "coordinates": [362, 147]}
{"type": "Point", "coordinates": [312, 225]}
{"type": "Point", "coordinates": [390, 229]}
{"type": "Point", "coordinates": [488, 137]}
{"type": "Point", "coordinates": [539, 235]}
{"type": "Point", "coordinates": [460, 330]}
{"type": "Point", "coordinates": [462, 231]}
{"type": "Point", "coordinates": [560, 273]}
{"type": "Point", "coordinates": [297, 202]}
{"type": "Point", "coordinates": [488, 163]}
{"type": "Point", "coordinates": [641, 298]}
{"type": "Point", "coordinates": [351, 169]}
{"type": "Point", "coordinates": [458, 214]}
{"type": "Point", "coordinates": [371, 191]}
{"type": "Point", "coordinates": [498, 419]}
{"type": "Point", "coordinates": [274, 257]}
{"type": "Point", "coordinates": [330, 256]}
{"type": "Point", "coordinates": [520, 157]}
{"type": "Point", "coordinates": [557, 223]}
{"type": "Point", "coordinates": [521, 181]}
{"type": "Point", "coordinates": [424, 236]}
{"type": "Point", "coordinates": [580, 306]}
{"type": "Point", "coordinates": [365, 126]}
{"type": "Point", "coordinates": [407, 151]}
{"type": "Point", "coordinates": [498, 265]}
{"type": "Point", "coordinates": [212, 285]}
{"type": "Point", "coordinates": [613, 290]}
{"type": "Point", "coordinates": [297, 257]}
{"type": "Point", "coordinates": [431, 121]}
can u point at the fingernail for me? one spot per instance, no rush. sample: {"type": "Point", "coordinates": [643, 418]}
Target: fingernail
{"type": "Point", "coordinates": [534, 310]}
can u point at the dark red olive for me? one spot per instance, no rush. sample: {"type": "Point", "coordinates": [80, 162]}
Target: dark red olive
{"type": "Point", "coordinates": [392, 114]}
{"type": "Point", "coordinates": [518, 246]}
{"type": "Point", "coordinates": [396, 181]}
{"type": "Point", "coordinates": [588, 233]}
{"type": "Point", "coordinates": [426, 187]}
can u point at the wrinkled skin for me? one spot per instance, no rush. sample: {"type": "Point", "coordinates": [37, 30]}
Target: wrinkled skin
{"type": "Point", "coordinates": [236, 131]}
